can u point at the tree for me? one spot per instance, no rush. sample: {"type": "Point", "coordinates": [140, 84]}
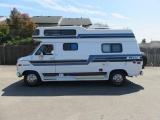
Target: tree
{"type": "Point", "coordinates": [25, 25]}
{"type": "Point", "coordinates": [21, 24]}
{"type": "Point", "coordinates": [14, 12]}
{"type": "Point", "coordinates": [4, 31]}
{"type": "Point", "coordinates": [144, 40]}
{"type": "Point", "coordinates": [13, 15]}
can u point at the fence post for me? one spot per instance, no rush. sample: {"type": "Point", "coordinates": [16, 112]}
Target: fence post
{"type": "Point", "coordinates": [4, 56]}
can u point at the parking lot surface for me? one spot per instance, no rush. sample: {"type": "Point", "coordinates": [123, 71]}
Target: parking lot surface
{"type": "Point", "coordinates": [138, 99]}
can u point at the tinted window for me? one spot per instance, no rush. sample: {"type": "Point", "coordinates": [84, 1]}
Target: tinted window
{"type": "Point", "coordinates": [45, 49]}
{"type": "Point", "coordinates": [52, 32]}
{"type": "Point", "coordinates": [111, 48]}
{"type": "Point", "coordinates": [36, 32]}
{"type": "Point", "coordinates": [66, 46]}
{"type": "Point", "coordinates": [68, 32]}
{"type": "Point", "coordinates": [59, 32]}
{"type": "Point", "coordinates": [70, 46]}
{"type": "Point", "coordinates": [116, 48]}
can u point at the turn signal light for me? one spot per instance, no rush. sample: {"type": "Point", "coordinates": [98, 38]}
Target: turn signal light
{"type": "Point", "coordinates": [19, 64]}
{"type": "Point", "coordinates": [138, 62]}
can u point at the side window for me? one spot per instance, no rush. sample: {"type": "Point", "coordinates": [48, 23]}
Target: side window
{"type": "Point", "coordinates": [52, 32]}
{"type": "Point", "coordinates": [116, 48]}
{"type": "Point", "coordinates": [112, 48]}
{"type": "Point", "coordinates": [45, 49]}
{"type": "Point", "coordinates": [68, 32]}
{"type": "Point", "coordinates": [36, 32]}
{"type": "Point", "coordinates": [106, 48]}
{"type": "Point", "coordinates": [70, 46]}
{"type": "Point", "coordinates": [59, 32]}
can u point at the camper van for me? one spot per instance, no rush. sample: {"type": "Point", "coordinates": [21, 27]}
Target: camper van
{"type": "Point", "coordinates": [73, 53]}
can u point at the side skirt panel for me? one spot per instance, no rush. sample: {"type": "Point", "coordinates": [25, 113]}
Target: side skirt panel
{"type": "Point", "coordinates": [95, 76]}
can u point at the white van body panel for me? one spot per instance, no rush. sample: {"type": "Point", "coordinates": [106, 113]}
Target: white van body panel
{"type": "Point", "coordinates": [88, 62]}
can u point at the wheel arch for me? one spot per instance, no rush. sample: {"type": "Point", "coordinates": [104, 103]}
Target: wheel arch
{"type": "Point", "coordinates": [26, 71]}
{"type": "Point", "coordinates": [38, 72]}
{"type": "Point", "coordinates": [121, 70]}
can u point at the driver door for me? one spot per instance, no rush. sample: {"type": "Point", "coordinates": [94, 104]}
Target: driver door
{"type": "Point", "coordinates": [43, 59]}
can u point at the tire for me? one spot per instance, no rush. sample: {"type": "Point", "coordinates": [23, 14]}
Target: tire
{"type": "Point", "coordinates": [32, 79]}
{"type": "Point", "coordinates": [117, 78]}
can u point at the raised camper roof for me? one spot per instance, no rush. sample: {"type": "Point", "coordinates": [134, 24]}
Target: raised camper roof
{"type": "Point", "coordinates": [64, 32]}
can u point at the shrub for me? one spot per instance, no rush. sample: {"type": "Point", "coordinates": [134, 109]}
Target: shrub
{"type": "Point", "coordinates": [20, 41]}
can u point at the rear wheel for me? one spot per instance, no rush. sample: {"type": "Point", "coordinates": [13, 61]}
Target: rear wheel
{"type": "Point", "coordinates": [32, 79]}
{"type": "Point", "coordinates": [117, 78]}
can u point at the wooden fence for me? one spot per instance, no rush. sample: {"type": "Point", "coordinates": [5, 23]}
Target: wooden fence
{"type": "Point", "coordinates": [10, 53]}
{"type": "Point", "coordinates": [152, 51]}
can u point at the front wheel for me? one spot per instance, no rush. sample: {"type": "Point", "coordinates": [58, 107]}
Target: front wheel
{"type": "Point", "coordinates": [117, 78]}
{"type": "Point", "coordinates": [32, 79]}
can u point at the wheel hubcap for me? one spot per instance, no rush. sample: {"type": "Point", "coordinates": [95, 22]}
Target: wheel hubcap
{"type": "Point", "coordinates": [31, 78]}
{"type": "Point", "coordinates": [118, 78]}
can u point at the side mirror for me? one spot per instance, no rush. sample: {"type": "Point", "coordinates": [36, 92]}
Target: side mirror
{"type": "Point", "coordinates": [41, 56]}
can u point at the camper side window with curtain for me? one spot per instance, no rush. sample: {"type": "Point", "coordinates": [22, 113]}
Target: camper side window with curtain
{"type": "Point", "coordinates": [112, 48]}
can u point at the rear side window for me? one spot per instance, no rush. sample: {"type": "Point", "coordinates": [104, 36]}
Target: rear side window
{"type": "Point", "coordinates": [112, 48]}
{"type": "Point", "coordinates": [70, 46]}
{"type": "Point", "coordinates": [59, 32]}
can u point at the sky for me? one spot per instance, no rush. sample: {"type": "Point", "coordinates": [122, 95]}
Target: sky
{"type": "Point", "coordinates": [142, 16]}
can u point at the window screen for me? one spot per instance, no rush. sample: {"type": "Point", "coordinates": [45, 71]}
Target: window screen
{"type": "Point", "coordinates": [112, 48]}
{"type": "Point", "coordinates": [70, 46]}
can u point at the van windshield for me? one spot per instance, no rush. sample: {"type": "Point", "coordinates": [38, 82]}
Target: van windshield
{"type": "Point", "coordinates": [36, 47]}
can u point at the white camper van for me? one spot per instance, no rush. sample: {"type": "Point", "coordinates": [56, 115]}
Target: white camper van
{"type": "Point", "coordinates": [79, 54]}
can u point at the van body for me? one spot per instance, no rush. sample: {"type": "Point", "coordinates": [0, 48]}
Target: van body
{"type": "Point", "coordinates": [79, 54]}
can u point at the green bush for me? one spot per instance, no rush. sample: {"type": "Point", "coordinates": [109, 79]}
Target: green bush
{"type": "Point", "coordinates": [2, 38]}
{"type": "Point", "coordinates": [4, 29]}
{"type": "Point", "coordinates": [4, 32]}
{"type": "Point", "coordinates": [20, 41]}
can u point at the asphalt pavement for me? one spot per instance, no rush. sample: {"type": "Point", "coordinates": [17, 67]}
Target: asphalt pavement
{"type": "Point", "coordinates": [138, 99]}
